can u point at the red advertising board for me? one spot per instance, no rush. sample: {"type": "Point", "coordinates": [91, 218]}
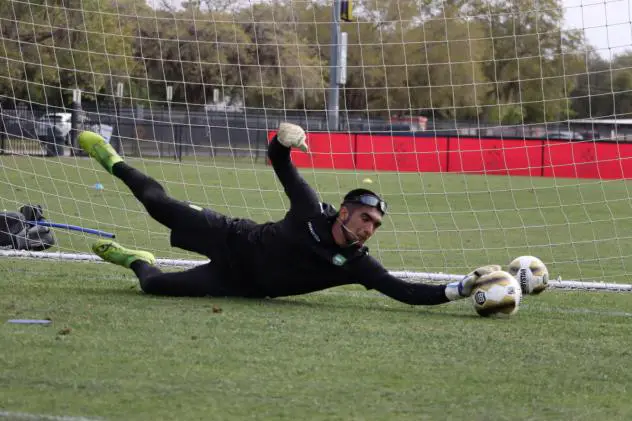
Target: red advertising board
{"type": "Point", "coordinates": [326, 150]}
{"type": "Point", "coordinates": [401, 153]}
{"type": "Point", "coordinates": [526, 157]}
{"type": "Point", "coordinates": [588, 160]}
{"type": "Point", "coordinates": [495, 156]}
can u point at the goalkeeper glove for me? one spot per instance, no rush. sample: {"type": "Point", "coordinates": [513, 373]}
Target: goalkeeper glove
{"type": "Point", "coordinates": [463, 288]}
{"type": "Point", "coordinates": [291, 135]}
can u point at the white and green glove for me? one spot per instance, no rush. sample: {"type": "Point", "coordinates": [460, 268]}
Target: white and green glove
{"type": "Point", "coordinates": [292, 136]}
{"type": "Point", "coordinates": [463, 288]}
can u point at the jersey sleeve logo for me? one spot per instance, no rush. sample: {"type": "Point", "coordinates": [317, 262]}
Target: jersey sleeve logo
{"type": "Point", "coordinates": [312, 231]}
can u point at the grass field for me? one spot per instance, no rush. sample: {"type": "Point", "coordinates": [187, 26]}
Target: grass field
{"type": "Point", "coordinates": [114, 353]}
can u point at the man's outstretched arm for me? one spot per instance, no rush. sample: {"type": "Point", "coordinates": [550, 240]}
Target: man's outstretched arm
{"type": "Point", "coordinates": [302, 197]}
{"type": "Point", "coordinates": [375, 276]}
{"type": "Point", "coordinates": [412, 293]}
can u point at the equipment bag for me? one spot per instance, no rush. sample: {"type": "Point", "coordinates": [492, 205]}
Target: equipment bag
{"type": "Point", "coordinates": [16, 233]}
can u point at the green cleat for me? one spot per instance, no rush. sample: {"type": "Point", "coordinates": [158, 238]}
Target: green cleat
{"type": "Point", "coordinates": [113, 252]}
{"type": "Point", "coordinates": [99, 149]}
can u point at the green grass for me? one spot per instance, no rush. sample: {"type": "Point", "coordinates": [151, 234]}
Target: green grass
{"type": "Point", "coordinates": [343, 354]}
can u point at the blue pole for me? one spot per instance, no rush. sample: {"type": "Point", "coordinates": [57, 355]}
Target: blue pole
{"type": "Point", "coordinates": [72, 228]}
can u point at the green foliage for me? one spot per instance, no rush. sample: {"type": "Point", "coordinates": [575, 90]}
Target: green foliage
{"type": "Point", "coordinates": [52, 47]}
{"type": "Point", "coordinates": [193, 52]}
{"type": "Point", "coordinates": [505, 114]}
{"type": "Point", "coordinates": [507, 62]}
{"type": "Point", "coordinates": [444, 71]}
{"type": "Point", "coordinates": [604, 88]}
{"type": "Point", "coordinates": [530, 59]}
{"type": "Point", "coordinates": [288, 70]}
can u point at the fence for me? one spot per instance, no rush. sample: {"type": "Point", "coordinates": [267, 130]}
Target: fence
{"type": "Point", "coordinates": [156, 132]}
{"type": "Point", "coordinates": [166, 131]}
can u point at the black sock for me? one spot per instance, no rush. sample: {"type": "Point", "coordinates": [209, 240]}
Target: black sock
{"type": "Point", "coordinates": [144, 271]}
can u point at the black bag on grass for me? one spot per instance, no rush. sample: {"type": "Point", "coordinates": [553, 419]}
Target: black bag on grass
{"type": "Point", "coordinates": [16, 234]}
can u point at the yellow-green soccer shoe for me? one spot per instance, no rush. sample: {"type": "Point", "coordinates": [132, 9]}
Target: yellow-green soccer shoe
{"type": "Point", "coordinates": [113, 252]}
{"type": "Point", "coordinates": [99, 149]}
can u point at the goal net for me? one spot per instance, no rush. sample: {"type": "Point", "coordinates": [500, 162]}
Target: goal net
{"type": "Point", "coordinates": [493, 129]}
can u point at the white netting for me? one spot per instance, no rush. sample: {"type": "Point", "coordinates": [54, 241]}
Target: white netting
{"type": "Point", "coordinates": [493, 129]}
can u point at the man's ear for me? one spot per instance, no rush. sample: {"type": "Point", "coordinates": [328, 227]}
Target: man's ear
{"type": "Point", "coordinates": [343, 213]}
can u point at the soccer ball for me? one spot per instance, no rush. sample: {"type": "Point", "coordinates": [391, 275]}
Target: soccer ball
{"type": "Point", "coordinates": [531, 273]}
{"type": "Point", "coordinates": [497, 294]}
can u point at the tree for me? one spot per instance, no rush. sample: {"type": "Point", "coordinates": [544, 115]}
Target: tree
{"type": "Point", "coordinates": [53, 46]}
{"type": "Point", "coordinates": [604, 88]}
{"type": "Point", "coordinates": [531, 60]}
{"type": "Point", "coordinates": [193, 51]}
{"type": "Point", "coordinates": [593, 93]}
{"type": "Point", "coordinates": [403, 57]}
{"type": "Point", "coordinates": [287, 70]}
{"type": "Point", "coordinates": [444, 70]}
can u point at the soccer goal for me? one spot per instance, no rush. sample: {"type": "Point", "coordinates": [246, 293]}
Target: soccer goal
{"type": "Point", "coordinates": [493, 130]}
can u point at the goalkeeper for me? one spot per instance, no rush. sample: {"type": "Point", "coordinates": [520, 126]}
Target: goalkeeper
{"type": "Point", "coordinates": [312, 248]}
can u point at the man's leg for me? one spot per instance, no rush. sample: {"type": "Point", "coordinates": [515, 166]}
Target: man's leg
{"type": "Point", "coordinates": [152, 195]}
{"type": "Point", "coordinates": [152, 280]}
{"type": "Point", "coordinates": [193, 282]}
{"type": "Point", "coordinates": [164, 209]}
{"type": "Point", "coordinates": [199, 281]}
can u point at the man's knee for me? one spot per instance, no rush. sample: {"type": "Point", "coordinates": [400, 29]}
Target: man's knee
{"type": "Point", "coordinates": [153, 197]}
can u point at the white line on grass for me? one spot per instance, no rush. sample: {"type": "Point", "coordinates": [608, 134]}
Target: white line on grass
{"type": "Point", "coordinates": [37, 417]}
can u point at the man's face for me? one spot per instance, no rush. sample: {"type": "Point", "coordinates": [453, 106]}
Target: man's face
{"type": "Point", "coordinates": [362, 221]}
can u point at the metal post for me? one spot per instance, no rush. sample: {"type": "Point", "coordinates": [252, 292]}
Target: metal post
{"type": "Point", "coordinates": [118, 103]}
{"type": "Point", "coordinates": [74, 120]}
{"type": "Point", "coordinates": [173, 134]}
{"type": "Point", "coordinates": [3, 131]}
{"type": "Point", "coordinates": [333, 99]}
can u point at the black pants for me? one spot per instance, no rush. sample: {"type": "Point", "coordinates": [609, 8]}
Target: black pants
{"type": "Point", "coordinates": [194, 229]}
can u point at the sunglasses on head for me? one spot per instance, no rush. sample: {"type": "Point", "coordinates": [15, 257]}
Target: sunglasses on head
{"type": "Point", "coordinates": [369, 200]}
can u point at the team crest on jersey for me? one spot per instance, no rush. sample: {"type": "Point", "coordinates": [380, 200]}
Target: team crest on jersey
{"type": "Point", "coordinates": [339, 260]}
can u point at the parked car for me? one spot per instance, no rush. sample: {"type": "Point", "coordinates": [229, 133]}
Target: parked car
{"type": "Point", "coordinates": [400, 127]}
{"type": "Point", "coordinates": [56, 125]}
{"type": "Point", "coordinates": [565, 134]}
{"type": "Point", "coordinates": [591, 135]}
{"type": "Point", "coordinates": [53, 130]}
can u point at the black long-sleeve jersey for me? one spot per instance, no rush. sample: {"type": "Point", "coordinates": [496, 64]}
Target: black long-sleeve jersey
{"type": "Point", "coordinates": [298, 254]}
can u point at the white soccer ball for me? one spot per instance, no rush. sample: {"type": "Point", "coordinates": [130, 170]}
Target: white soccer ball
{"type": "Point", "coordinates": [496, 294]}
{"type": "Point", "coordinates": [531, 273]}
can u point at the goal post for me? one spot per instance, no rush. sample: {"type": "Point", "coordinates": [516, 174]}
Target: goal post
{"type": "Point", "coordinates": [493, 130]}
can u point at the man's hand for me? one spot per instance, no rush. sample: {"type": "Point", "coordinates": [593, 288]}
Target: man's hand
{"type": "Point", "coordinates": [463, 288]}
{"type": "Point", "coordinates": [290, 135]}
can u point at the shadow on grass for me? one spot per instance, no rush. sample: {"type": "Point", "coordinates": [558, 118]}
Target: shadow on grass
{"type": "Point", "coordinates": [320, 300]}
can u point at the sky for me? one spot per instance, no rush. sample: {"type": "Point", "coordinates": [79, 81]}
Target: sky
{"type": "Point", "coordinates": [607, 24]}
